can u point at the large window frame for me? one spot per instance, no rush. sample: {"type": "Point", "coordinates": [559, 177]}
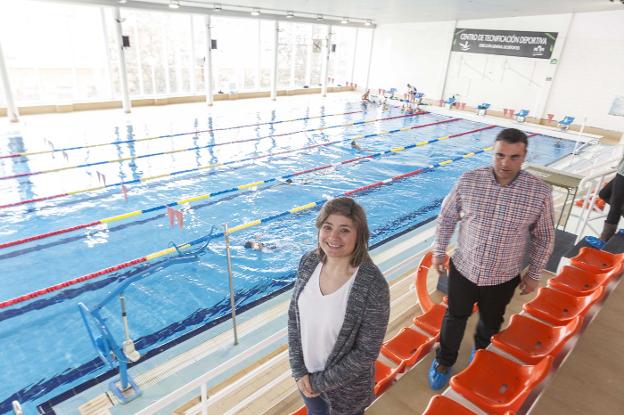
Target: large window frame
{"type": "Point", "coordinates": [79, 62]}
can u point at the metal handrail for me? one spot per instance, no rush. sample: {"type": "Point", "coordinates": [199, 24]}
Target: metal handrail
{"type": "Point", "coordinates": [588, 191]}
{"type": "Point", "coordinates": [201, 382]}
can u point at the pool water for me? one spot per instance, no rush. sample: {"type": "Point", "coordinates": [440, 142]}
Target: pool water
{"type": "Point", "coordinates": [44, 347]}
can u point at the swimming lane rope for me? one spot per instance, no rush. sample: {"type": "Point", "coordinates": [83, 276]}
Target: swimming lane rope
{"type": "Point", "coordinates": [230, 190]}
{"type": "Point", "coordinates": [213, 165]}
{"type": "Point", "coordinates": [232, 230]}
{"type": "Point", "coordinates": [195, 148]}
{"type": "Point", "coordinates": [65, 149]}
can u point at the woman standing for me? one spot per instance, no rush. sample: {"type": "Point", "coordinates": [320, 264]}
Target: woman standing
{"type": "Point", "coordinates": [338, 314]}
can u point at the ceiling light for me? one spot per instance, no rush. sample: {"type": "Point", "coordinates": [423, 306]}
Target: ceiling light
{"type": "Point", "coordinates": [290, 15]}
{"type": "Point", "coordinates": [255, 12]}
{"type": "Point", "coordinates": [368, 23]}
{"type": "Point", "coordinates": [122, 1]}
{"type": "Point", "coordinates": [344, 20]}
{"type": "Point", "coordinates": [174, 4]}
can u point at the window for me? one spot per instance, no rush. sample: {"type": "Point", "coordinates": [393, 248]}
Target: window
{"type": "Point", "coordinates": [235, 60]}
{"type": "Point", "coordinates": [341, 60]}
{"type": "Point", "coordinates": [61, 61]}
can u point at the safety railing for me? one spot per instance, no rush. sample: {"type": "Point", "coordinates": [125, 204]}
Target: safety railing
{"type": "Point", "coordinates": [588, 191]}
{"type": "Point", "coordinates": [201, 383]}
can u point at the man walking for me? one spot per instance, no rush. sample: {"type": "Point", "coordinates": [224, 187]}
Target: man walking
{"type": "Point", "coordinates": [504, 213]}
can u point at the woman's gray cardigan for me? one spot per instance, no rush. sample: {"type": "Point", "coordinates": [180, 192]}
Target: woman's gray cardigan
{"type": "Point", "coordinates": [349, 376]}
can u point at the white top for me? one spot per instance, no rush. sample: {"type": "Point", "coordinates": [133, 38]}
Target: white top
{"type": "Point", "coordinates": [321, 317]}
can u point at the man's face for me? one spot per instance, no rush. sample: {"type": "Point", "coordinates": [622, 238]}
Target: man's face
{"type": "Point", "coordinates": [508, 159]}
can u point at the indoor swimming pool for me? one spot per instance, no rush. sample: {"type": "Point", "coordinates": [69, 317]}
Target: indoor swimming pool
{"type": "Point", "coordinates": [106, 205]}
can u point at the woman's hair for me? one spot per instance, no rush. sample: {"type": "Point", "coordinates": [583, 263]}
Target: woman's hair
{"type": "Point", "coordinates": [347, 207]}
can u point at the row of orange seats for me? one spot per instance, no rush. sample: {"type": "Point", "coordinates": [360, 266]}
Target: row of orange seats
{"type": "Point", "coordinates": [498, 385]}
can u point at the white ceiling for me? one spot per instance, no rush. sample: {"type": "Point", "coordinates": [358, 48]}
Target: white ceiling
{"type": "Point", "coordinates": [397, 11]}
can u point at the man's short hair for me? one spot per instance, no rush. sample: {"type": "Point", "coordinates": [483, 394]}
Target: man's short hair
{"type": "Point", "coordinates": [513, 136]}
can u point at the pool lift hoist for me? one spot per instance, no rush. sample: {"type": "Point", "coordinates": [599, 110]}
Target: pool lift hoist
{"type": "Point", "coordinates": [107, 348]}
{"type": "Point", "coordinates": [124, 387]}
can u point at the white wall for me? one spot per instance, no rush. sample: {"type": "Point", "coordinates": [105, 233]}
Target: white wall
{"type": "Point", "coordinates": [506, 81]}
{"type": "Point", "coordinates": [589, 72]}
{"type": "Point", "coordinates": [415, 53]}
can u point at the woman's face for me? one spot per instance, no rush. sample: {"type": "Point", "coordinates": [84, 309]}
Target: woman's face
{"type": "Point", "coordinates": [337, 236]}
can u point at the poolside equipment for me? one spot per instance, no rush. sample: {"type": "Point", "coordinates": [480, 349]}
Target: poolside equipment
{"type": "Point", "coordinates": [114, 356]}
{"type": "Point", "coordinates": [565, 123]}
{"type": "Point", "coordinates": [128, 345]}
{"type": "Point", "coordinates": [482, 108]}
{"type": "Point", "coordinates": [418, 98]}
{"type": "Point", "coordinates": [521, 115]}
{"type": "Point", "coordinates": [108, 350]}
{"type": "Point", "coordinates": [449, 102]}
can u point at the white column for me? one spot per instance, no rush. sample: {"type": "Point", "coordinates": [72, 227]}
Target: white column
{"type": "Point", "coordinates": [274, 66]}
{"type": "Point", "coordinates": [325, 62]}
{"type": "Point", "coordinates": [357, 31]}
{"type": "Point", "coordinates": [12, 112]}
{"type": "Point", "coordinates": [541, 104]}
{"type": "Point", "coordinates": [125, 97]}
{"type": "Point", "coordinates": [370, 59]}
{"type": "Point", "coordinates": [208, 63]}
{"type": "Point", "coordinates": [448, 61]}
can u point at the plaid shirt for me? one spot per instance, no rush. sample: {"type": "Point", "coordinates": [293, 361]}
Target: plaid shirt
{"type": "Point", "coordinates": [496, 225]}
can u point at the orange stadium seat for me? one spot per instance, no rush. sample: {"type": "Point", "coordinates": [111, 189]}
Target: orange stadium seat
{"type": "Point", "coordinates": [496, 384]}
{"type": "Point", "coordinates": [385, 376]}
{"type": "Point", "coordinates": [577, 281]}
{"type": "Point", "coordinates": [431, 321]}
{"type": "Point", "coordinates": [531, 340]}
{"type": "Point", "coordinates": [556, 307]}
{"type": "Point", "coordinates": [441, 405]}
{"type": "Point", "coordinates": [407, 347]}
{"type": "Point", "coordinates": [598, 261]}
{"type": "Point", "coordinates": [301, 411]}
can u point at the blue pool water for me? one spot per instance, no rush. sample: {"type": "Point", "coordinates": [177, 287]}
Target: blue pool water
{"type": "Point", "coordinates": [44, 347]}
